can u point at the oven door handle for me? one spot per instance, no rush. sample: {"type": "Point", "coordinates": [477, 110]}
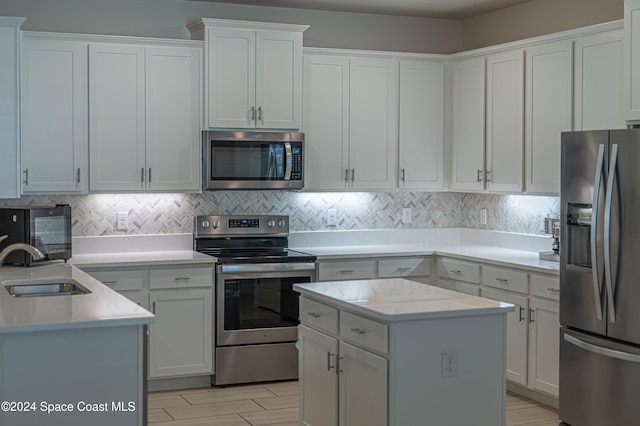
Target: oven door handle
{"type": "Point", "coordinates": [267, 267]}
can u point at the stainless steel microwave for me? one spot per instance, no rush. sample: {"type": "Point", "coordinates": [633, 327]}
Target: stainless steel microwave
{"type": "Point", "coordinates": [253, 160]}
{"type": "Point", "coordinates": [48, 228]}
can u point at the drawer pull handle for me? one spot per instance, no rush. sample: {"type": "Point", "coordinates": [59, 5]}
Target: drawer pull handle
{"type": "Point", "coordinates": [555, 291]}
{"type": "Point", "coordinates": [358, 331]}
{"type": "Point", "coordinates": [347, 271]}
{"type": "Point", "coordinates": [456, 272]}
{"type": "Point", "coordinates": [403, 269]}
{"type": "Point", "coordinates": [182, 278]}
{"type": "Point", "coordinates": [110, 282]}
{"type": "Point", "coordinates": [502, 280]}
{"type": "Point", "coordinates": [313, 315]}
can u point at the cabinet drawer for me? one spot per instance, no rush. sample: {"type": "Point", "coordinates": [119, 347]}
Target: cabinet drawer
{"type": "Point", "coordinates": [120, 280]}
{"type": "Point", "coordinates": [404, 267]}
{"type": "Point", "coordinates": [505, 279]}
{"type": "Point", "coordinates": [459, 286]}
{"type": "Point", "coordinates": [365, 332]}
{"type": "Point", "coordinates": [544, 286]}
{"type": "Point", "coordinates": [180, 278]}
{"type": "Point", "coordinates": [346, 270]}
{"type": "Point", "coordinates": [459, 270]}
{"type": "Point", "coordinates": [318, 315]}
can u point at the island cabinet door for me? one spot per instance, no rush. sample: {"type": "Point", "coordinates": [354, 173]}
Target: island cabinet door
{"type": "Point", "coordinates": [363, 387]}
{"type": "Point", "coordinates": [318, 378]}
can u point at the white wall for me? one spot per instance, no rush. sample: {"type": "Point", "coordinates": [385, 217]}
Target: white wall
{"type": "Point", "coordinates": [168, 18]}
{"type": "Point", "coordinates": [536, 18]}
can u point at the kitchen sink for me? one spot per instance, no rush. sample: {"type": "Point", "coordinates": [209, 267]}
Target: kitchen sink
{"type": "Point", "coordinates": [44, 287]}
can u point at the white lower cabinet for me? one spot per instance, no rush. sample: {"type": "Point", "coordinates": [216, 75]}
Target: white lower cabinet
{"type": "Point", "coordinates": [181, 298]}
{"type": "Point", "coordinates": [532, 329]}
{"type": "Point", "coordinates": [415, 268]}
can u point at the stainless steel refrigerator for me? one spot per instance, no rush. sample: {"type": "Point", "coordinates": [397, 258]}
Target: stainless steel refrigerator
{"type": "Point", "coordinates": [600, 278]}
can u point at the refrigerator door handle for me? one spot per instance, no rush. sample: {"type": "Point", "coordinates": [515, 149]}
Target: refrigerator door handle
{"type": "Point", "coordinates": [594, 228]}
{"type": "Point", "coordinates": [607, 232]}
{"type": "Point", "coordinates": [611, 353]}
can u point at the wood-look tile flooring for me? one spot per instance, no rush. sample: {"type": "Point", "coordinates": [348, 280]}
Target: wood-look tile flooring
{"type": "Point", "coordinates": [277, 404]}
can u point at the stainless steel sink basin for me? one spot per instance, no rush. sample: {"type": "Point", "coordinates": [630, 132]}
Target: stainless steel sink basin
{"type": "Point", "coordinates": [44, 287]}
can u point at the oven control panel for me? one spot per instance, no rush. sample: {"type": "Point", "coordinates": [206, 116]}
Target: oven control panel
{"type": "Point", "coordinates": [221, 226]}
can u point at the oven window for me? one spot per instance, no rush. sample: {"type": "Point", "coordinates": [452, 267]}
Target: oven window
{"type": "Point", "coordinates": [247, 161]}
{"type": "Point", "coordinates": [261, 303]}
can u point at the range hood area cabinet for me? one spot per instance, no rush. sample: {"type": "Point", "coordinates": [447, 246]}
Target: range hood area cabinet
{"type": "Point", "coordinates": [253, 73]}
{"type": "Point", "coordinates": [10, 39]}
{"type": "Point", "coordinates": [144, 119]}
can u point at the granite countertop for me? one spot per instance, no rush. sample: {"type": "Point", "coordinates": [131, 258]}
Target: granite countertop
{"type": "Point", "coordinates": [473, 252]}
{"type": "Point", "coordinates": [398, 299]}
{"type": "Point", "coordinates": [103, 307]}
{"type": "Point", "coordinates": [147, 258]}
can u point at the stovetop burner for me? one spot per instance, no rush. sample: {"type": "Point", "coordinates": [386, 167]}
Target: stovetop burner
{"type": "Point", "coordinates": [246, 239]}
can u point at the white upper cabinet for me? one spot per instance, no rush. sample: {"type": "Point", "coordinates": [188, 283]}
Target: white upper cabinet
{"type": "Point", "coordinates": [373, 123]}
{"type": "Point", "coordinates": [253, 74]}
{"type": "Point", "coordinates": [549, 83]}
{"type": "Point", "coordinates": [326, 121]}
{"type": "Point", "coordinates": [505, 122]}
{"type": "Point", "coordinates": [598, 83]}
{"type": "Point", "coordinates": [144, 118]}
{"type": "Point", "coordinates": [632, 61]}
{"type": "Point", "coordinates": [9, 117]}
{"type": "Point", "coordinates": [468, 124]}
{"type": "Point", "coordinates": [350, 122]}
{"type": "Point", "coordinates": [54, 116]}
{"type": "Point", "coordinates": [421, 125]}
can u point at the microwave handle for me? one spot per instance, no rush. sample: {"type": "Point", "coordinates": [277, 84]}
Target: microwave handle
{"type": "Point", "coordinates": [288, 161]}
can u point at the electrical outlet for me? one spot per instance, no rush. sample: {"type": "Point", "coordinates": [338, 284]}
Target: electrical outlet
{"type": "Point", "coordinates": [483, 216]}
{"type": "Point", "coordinates": [332, 217]}
{"type": "Point", "coordinates": [406, 215]}
{"type": "Point", "coordinates": [449, 363]}
{"type": "Point", "coordinates": [122, 223]}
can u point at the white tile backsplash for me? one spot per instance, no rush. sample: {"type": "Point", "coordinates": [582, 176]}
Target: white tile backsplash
{"type": "Point", "coordinates": [149, 214]}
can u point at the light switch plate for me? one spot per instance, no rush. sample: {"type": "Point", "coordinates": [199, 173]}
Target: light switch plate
{"type": "Point", "coordinates": [332, 217]}
{"type": "Point", "coordinates": [406, 215]}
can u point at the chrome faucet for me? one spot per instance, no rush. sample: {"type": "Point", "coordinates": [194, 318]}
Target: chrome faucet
{"type": "Point", "coordinates": [37, 254]}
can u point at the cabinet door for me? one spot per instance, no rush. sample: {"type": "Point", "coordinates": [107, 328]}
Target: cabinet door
{"type": "Point", "coordinates": [505, 122]}
{"type": "Point", "coordinates": [279, 80]}
{"type": "Point", "coordinates": [318, 378]}
{"type": "Point", "coordinates": [549, 85]}
{"type": "Point", "coordinates": [180, 341]}
{"type": "Point", "coordinates": [373, 85]}
{"type": "Point", "coordinates": [468, 124]}
{"type": "Point", "coordinates": [631, 61]}
{"type": "Point", "coordinates": [326, 121]}
{"type": "Point", "coordinates": [363, 387]}
{"type": "Point", "coordinates": [9, 117]}
{"type": "Point", "coordinates": [598, 72]}
{"type": "Point", "coordinates": [54, 116]}
{"type": "Point", "coordinates": [231, 77]}
{"type": "Point", "coordinates": [117, 117]}
{"type": "Point", "coordinates": [421, 135]}
{"type": "Point", "coordinates": [173, 118]}
{"type": "Point", "coordinates": [544, 341]}
{"type": "Point", "coordinates": [516, 334]}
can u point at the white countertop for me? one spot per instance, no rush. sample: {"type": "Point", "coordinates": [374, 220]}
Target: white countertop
{"type": "Point", "coordinates": [103, 307]}
{"type": "Point", "coordinates": [150, 258]}
{"type": "Point", "coordinates": [398, 299]}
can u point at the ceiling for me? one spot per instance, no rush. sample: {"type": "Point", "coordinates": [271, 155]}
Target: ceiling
{"type": "Point", "coordinates": [446, 9]}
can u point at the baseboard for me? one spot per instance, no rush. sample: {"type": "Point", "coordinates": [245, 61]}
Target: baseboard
{"type": "Point", "coordinates": [543, 398]}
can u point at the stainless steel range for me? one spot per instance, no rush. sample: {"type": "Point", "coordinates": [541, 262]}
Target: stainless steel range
{"type": "Point", "coordinates": [256, 309]}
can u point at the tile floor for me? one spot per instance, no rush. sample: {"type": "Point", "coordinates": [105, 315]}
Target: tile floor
{"type": "Point", "coordinates": [277, 404]}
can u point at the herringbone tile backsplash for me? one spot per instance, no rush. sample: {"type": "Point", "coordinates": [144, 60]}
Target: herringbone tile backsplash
{"type": "Point", "coordinates": [95, 214]}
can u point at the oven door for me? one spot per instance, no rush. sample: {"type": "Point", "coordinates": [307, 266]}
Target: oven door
{"type": "Point", "coordinates": [255, 303]}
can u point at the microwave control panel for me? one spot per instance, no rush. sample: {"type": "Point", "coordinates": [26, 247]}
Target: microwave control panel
{"type": "Point", "coordinates": [296, 162]}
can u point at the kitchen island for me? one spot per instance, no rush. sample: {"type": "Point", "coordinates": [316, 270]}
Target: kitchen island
{"type": "Point", "coordinates": [73, 359]}
{"type": "Point", "coordinates": [396, 352]}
